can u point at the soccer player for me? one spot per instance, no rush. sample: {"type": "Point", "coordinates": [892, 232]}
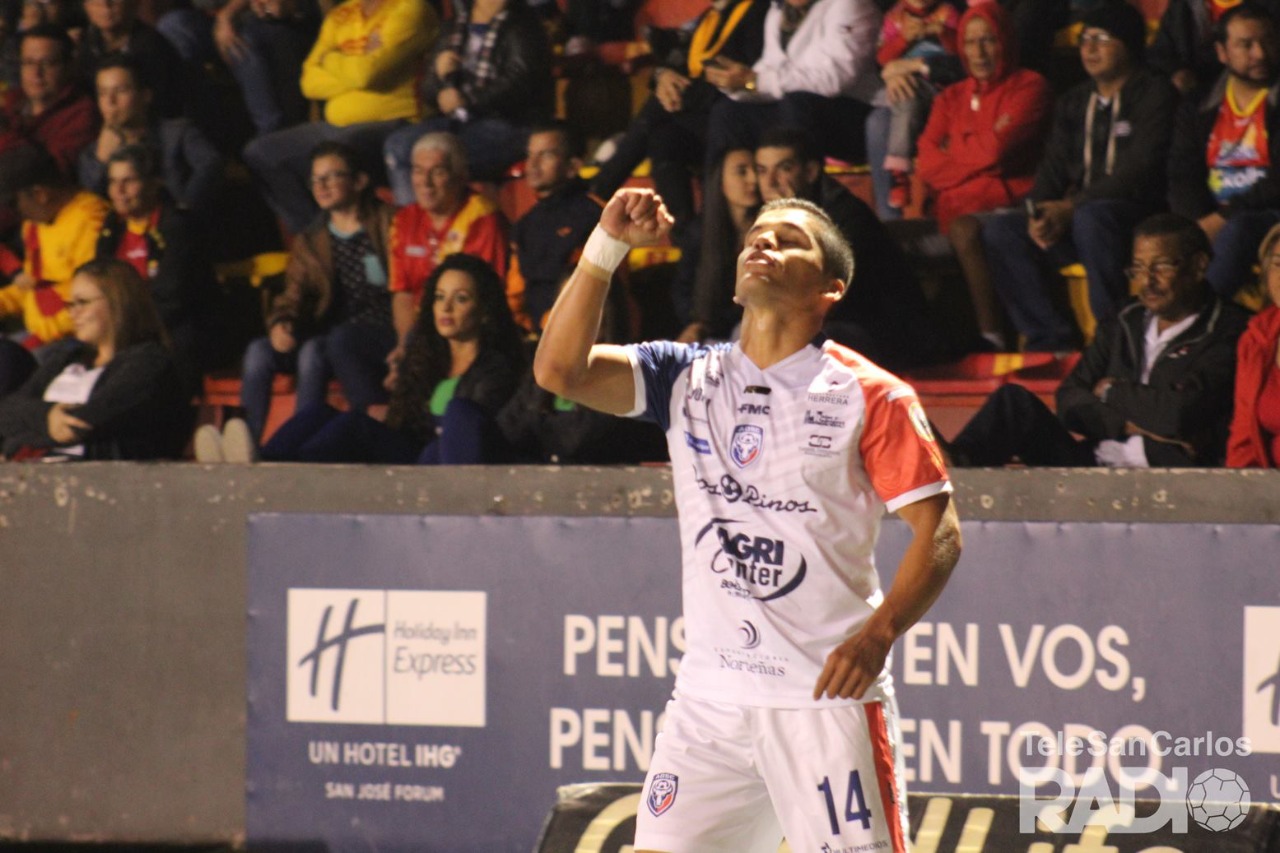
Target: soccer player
{"type": "Point", "coordinates": [785, 452]}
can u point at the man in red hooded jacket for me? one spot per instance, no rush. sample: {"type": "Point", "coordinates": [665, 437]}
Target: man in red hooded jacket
{"type": "Point", "coordinates": [980, 148]}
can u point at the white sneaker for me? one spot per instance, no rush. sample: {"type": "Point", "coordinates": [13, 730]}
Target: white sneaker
{"type": "Point", "coordinates": [208, 445]}
{"type": "Point", "coordinates": [237, 442]}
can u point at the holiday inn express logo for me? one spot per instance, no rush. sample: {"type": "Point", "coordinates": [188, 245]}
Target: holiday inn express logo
{"type": "Point", "coordinates": [386, 657]}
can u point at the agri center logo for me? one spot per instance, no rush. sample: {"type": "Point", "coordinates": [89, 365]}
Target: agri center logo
{"type": "Point", "coordinates": [750, 565]}
{"type": "Point", "coordinates": [386, 657]}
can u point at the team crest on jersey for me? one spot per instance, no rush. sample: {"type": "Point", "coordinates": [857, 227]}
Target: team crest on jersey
{"type": "Point", "coordinates": [747, 444]}
{"type": "Point", "coordinates": [662, 793]}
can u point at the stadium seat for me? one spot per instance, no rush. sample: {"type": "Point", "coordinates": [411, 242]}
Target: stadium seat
{"type": "Point", "coordinates": [1078, 297]}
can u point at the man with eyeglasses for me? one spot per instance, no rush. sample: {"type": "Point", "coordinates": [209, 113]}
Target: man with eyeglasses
{"type": "Point", "coordinates": [1154, 389]}
{"type": "Point", "coordinates": [1103, 170]}
{"type": "Point", "coordinates": [1226, 147]}
{"type": "Point", "coordinates": [46, 109]}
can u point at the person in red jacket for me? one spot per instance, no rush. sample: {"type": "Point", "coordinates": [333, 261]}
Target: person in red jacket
{"type": "Point", "coordinates": [979, 150]}
{"type": "Point", "coordinates": [1254, 440]}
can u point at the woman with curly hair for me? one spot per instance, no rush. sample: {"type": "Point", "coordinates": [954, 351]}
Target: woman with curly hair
{"type": "Point", "coordinates": [462, 362]}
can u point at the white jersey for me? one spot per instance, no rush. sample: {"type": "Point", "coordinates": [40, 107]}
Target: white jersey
{"type": "Point", "coordinates": [781, 478]}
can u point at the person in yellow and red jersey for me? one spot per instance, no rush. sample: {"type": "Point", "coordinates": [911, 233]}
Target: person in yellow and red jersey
{"type": "Point", "coordinates": [364, 67]}
{"type": "Point", "coordinates": [1226, 148]}
{"type": "Point", "coordinates": [60, 225]}
{"type": "Point", "coordinates": [1184, 45]}
{"type": "Point", "coordinates": [445, 218]}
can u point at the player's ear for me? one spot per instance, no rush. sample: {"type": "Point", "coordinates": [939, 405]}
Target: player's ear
{"type": "Point", "coordinates": [836, 288]}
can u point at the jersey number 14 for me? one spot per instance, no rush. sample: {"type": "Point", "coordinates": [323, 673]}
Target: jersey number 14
{"type": "Point", "coordinates": [855, 805]}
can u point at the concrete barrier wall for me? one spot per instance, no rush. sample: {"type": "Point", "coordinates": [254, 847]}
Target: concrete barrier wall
{"type": "Point", "coordinates": [122, 607]}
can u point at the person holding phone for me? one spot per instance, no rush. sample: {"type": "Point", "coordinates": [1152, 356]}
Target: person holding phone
{"type": "Point", "coordinates": [1103, 170]}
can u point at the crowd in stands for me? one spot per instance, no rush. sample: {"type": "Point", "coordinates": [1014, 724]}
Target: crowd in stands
{"type": "Point", "coordinates": [379, 142]}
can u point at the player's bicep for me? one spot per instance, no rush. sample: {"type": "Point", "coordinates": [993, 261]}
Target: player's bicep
{"type": "Point", "coordinates": [608, 384]}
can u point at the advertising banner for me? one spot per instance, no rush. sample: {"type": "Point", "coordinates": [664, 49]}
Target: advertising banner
{"type": "Point", "coordinates": [428, 683]}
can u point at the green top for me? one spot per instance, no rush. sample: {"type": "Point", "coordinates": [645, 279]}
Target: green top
{"type": "Point", "coordinates": [445, 389]}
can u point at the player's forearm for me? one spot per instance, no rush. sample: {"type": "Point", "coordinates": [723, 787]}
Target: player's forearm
{"type": "Point", "coordinates": [571, 330]}
{"type": "Point", "coordinates": [924, 571]}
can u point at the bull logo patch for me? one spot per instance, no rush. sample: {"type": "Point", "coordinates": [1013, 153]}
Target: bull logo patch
{"type": "Point", "coordinates": [747, 444]}
{"type": "Point", "coordinates": [662, 793]}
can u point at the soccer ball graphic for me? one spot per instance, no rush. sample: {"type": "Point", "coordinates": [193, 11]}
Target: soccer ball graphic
{"type": "Point", "coordinates": [1218, 800]}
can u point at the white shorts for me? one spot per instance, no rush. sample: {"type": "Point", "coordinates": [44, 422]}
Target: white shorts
{"type": "Point", "coordinates": [734, 779]}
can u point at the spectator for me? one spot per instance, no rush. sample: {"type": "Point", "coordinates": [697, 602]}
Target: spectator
{"type": "Point", "coordinates": [445, 218]}
{"type": "Point", "coordinates": [1103, 167]}
{"type": "Point", "coordinates": [461, 366]}
{"type": "Point", "coordinates": [546, 241]}
{"type": "Point", "coordinates": [883, 314]}
{"type": "Point", "coordinates": [1153, 389]}
{"type": "Point", "coordinates": [114, 27]}
{"type": "Point", "coordinates": [60, 230]}
{"type": "Point", "coordinates": [1254, 440]}
{"type": "Point", "coordinates": [730, 201]}
{"type": "Point", "coordinates": [1184, 46]}
{"type": "Point", "coordinates": [47, 110]}
{"type": "Point", "coordinates": [192, 168]}
{"type": "Point", "coordinates": [671, 128]}
{"type": "Point", "coordinates": [917, 57]}
{"type": "Point", "coordinates": [363, 66]}
{"type": "Point", "coordinates": [147, 231]}
{"type": "Point", "coordinates": [115, 393]}
{"type": "Point", "coordinates": [1226, 147]}
{"type": "Point", "coordinates": [979, 150]}
{"type": "Point", "coordinates": [262, 42]}
{"type": "Point", "coordinates": [490, 79]}
{"type": "Point", "coordinates": [334, 315]}
{"type": "Point", "coordinates": [817, 71]}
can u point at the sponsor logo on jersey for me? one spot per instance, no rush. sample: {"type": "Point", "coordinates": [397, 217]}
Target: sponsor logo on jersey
{"type": "Point", "coordinates": [698, 445]}
{"type": "Point", "coordinates": [820, 442]}
{"type": "Point", "coordinates": [752, 409]}
{"type": "Point", "coordinates": [746, 445]}
{"type": "Point", "coordinates": [734, 492]}
{"type": "Point", "coordinates": [751, 566]}
{"type": "Point", "coordinates": [919, 420]}
{"type": "Point", "coordinates": [819, 418]}
{"type": "Point", "coordinates": [750, 635]}
{"type": "Point", "coordinates": [662, 793]}
{"type": "Point", "coordinates": [825, 399]}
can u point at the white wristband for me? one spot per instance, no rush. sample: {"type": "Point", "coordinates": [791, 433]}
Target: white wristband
{"type": "Point", "coordinates": [604, 251]}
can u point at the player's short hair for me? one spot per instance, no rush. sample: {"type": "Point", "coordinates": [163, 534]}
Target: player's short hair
{"type": "Point", "coordinates": [1249, 10]}
{"type": "Point", "coordinates": [1189, 236]}
{"type": "Point", "coordinates": [837, 255]}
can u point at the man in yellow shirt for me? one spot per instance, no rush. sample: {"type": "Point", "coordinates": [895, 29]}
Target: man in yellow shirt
{"type": "Point", "coordinates": [59, 233]}
{"type": "Point", "coordinates": [363, 66]}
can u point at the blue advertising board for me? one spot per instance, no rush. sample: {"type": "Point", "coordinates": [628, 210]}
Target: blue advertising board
{"type": "Point", "coordinates": [427, 683]}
